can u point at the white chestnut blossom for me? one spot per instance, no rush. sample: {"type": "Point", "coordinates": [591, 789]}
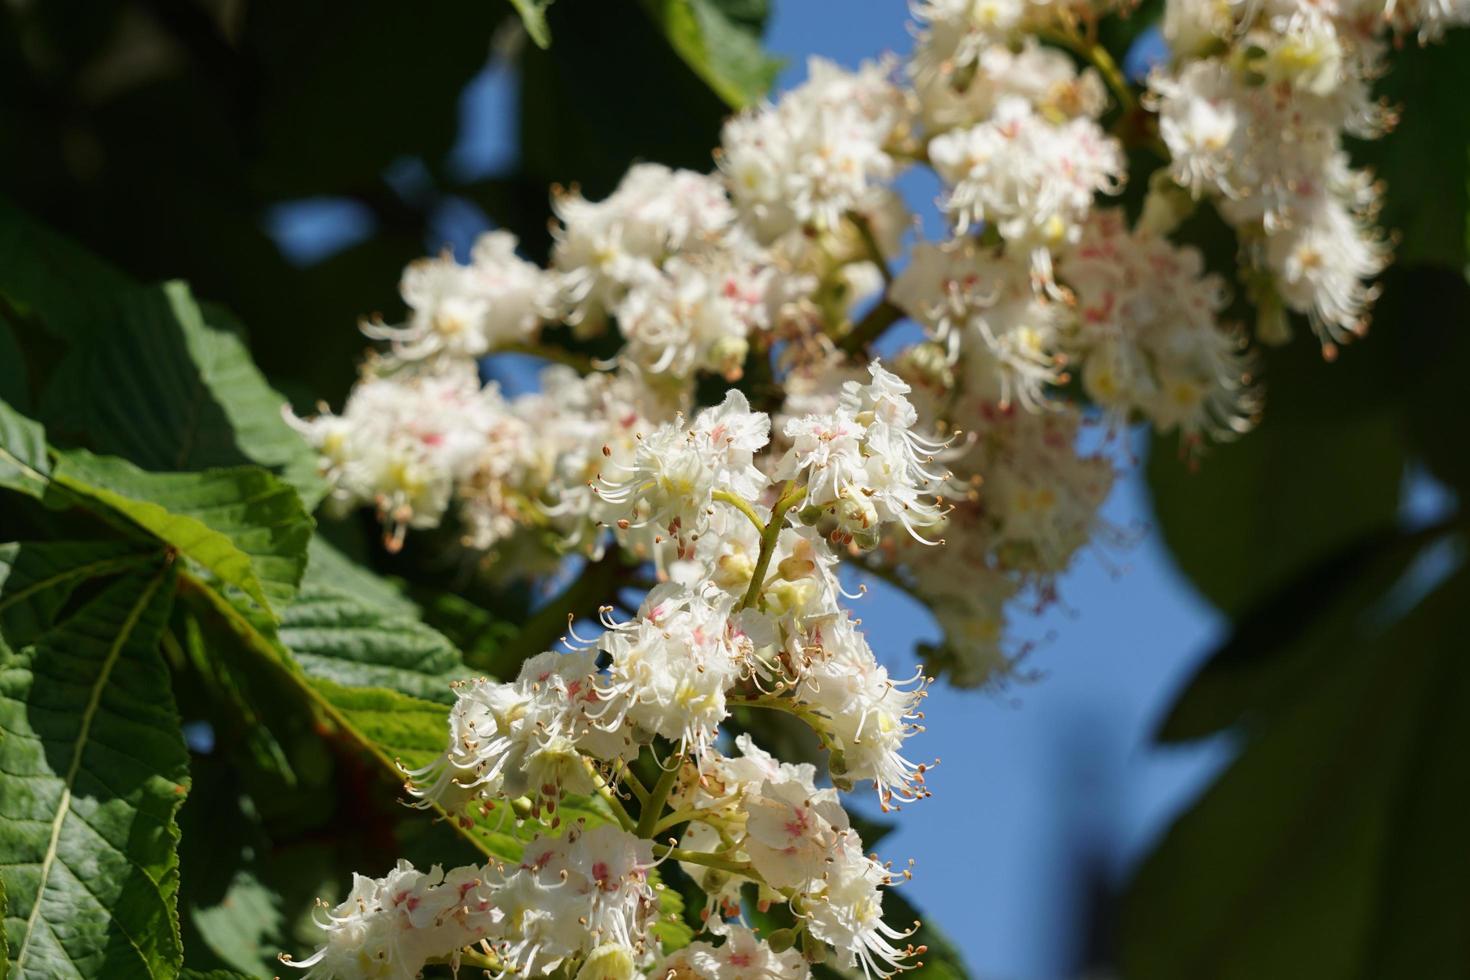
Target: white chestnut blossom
{"type": "Point", "coordinates": [522, 738]}
{"type": "Point", "coordinates": [742, 956]}
{"type": "Point", "coordinates": [711, 524]}
{"type": "Point", "coordinates": [817, 153]}
{"type": "Point", "coordinates": [864, 464]}
{"type": "Point", "coordinates": [981, 304]}
{"type": "Point", "coordinates": [1148, 334]}
{"type": "Point", "coordinates": [1030, 178]}
{"type": "Point", "coordinates": [459, 311]}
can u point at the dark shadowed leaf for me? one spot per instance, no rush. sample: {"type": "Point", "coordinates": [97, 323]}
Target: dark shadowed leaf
{"type": "Point", "coordinates": [1327, 849]}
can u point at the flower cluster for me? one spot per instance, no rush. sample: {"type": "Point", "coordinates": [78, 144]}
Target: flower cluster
{"type": "Point", "coordinates": [1253, 112]}
{"type": "Point", "coordinates": [1045, 320]}
{"type": "Point", "coordinates": [777, 270]}
{"type": "Point", "coordinates": [583, 896]}
{"type": "Point", "coordinates": [749, 617]}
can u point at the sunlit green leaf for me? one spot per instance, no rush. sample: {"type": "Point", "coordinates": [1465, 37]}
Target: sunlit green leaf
{"type": "Point", "coordinates": [95, 769]}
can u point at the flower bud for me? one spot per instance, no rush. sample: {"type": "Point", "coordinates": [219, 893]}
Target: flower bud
{"type": "Point", "coordinates": [610, 961]}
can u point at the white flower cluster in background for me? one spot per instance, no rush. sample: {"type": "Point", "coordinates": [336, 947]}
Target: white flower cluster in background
{"type": "Point", "coordinates": [1048, 314]}
{"type": "Point", "coordinates": [1254, 110]}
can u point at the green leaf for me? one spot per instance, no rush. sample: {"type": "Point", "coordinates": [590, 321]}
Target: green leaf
{"type": "Point", "coordinates": [1331, 847]}
{"type": "Point", "coordinates": [45, 276]}
{"type": "Point", "coordinates": [243, 926]}
{"type": "Point", "coordinates": [329, 568]}
{"type": "Point", "coordinates": [243, 525]}
{"type": "Point", "coordinates": [151, 375]}
{"type": "Point", "coordinates": [96, 769]}
{"type": "Point", "coordinates": [672, 932]}
{"type": "Point", "coordinates": [37, 578]}
{"type": "Point", "coordinates": [170, 385]}
{"type": "Point", "coordinates": [723, 51]}
{"type": "Point", "coordinates": [1284, 643]}
{"type": "Point", "coordinates": [1311, 479]}
{"type": "Point", "coordinates": [23, 463]}
{"type": "Point", "coordinates": [1427, 156]}
{"type": "Point", "coordinates": [533, 17]}
{"type": "Point", "coordinates": [335, 637]}
{"type": "Point", "coordinates": [393, 726]}
{"type": "Point", "coordinates": [352, 628]}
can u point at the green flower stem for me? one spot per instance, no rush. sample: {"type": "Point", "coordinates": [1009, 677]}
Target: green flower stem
{"type": "Point", "coordinates": [608, 796]}
{"type": "Point", "coordinates": [674, 819]}
{"type": "Point", "coordinates": [791, 495]}
{"type": "Point", "coordinates": [1090, 51]}
{"type": "Point", "coordinates": [653, 808]}
{"type": "Point", "coordinates": [813, 720]}
{"type": "Point", "coordinates": [706, 860]}
{"type": "Point", "coordinates": [631, 780]}
{"type": "Point", "coordinates": [741, 505]}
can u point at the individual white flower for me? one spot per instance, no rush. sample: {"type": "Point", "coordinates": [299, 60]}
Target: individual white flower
{"type": "Point", "coordinates": [846, 912]}
{"type": "Point", "coordinates": [1205, 124]}
{"type": "Point", "coordinates": [742, 956]}
{"type": "Point", "coordinates": [956, 97]}
{"type": "Point", "coordinates": [1148, 334]}
{"type": "Point", "coordinates": [403, 441]}
{"type": "Point", "coordinates": [606, 247]}
{"type": "Point", "coordinates": [790, 831]}
{"type": "Point", "coordinates": [980, 303]}
{"type": "Point", "coordinates": [1040, 498]}
{"type": "Point", "coordinates": [868, 716]}
{"type": "Point", "coordinates": [952, 34]}
{"type": "Point", "coordinates": [864, 464]}
{"type": "Point", "coordinates": [670, 482]}
{"type": "Point", "coordinates": [815, 154]}
{"type": "Point", "coordinates": [465, 311]}
{"type": "Point", "coordinates": [672, 665]}
{"type": "Point", "coordinates": [697, 313]}
{"type": "Point", "coordinates": [509, 740]}
{"type": "Point", "coordinates": [1032, 179]}
{"type": "Point", "coordinates": [388, 928]}
{"type": "Point", "coordinates": [574, 895]}
{"type": "Point", "coordinates": [1323, 260]}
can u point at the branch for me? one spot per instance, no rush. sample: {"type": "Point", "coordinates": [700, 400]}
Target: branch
{"type": "Point", "coordinates": [871, 327]}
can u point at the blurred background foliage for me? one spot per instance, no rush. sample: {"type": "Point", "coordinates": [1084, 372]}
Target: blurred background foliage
{"type": "Point", "coordinates": [164, 137]}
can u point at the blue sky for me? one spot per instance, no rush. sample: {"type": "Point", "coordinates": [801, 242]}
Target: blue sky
{"type": "Point", "coordinates": [1042, 780]}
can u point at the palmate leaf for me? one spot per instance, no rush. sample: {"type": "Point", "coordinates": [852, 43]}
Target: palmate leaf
{"type": "Point", "coordinates": [338, 637]}
{"type": "Point", "coordinates": [95, 770]}
{"type": "Point", "coordinates": [170, 386]}
{"type": "Point", "coordinates": [151, 374]}
{"type": "Point", "coordinates": [23, 463]}
{"type": "Point", "coordinates": [533, 18]}
{"type": "Point", "coordinates": [722, 49]}
{"type": "Point", "coordinates": [242, 525]}
{"type": "Point", "coordinates": [37, 578]}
